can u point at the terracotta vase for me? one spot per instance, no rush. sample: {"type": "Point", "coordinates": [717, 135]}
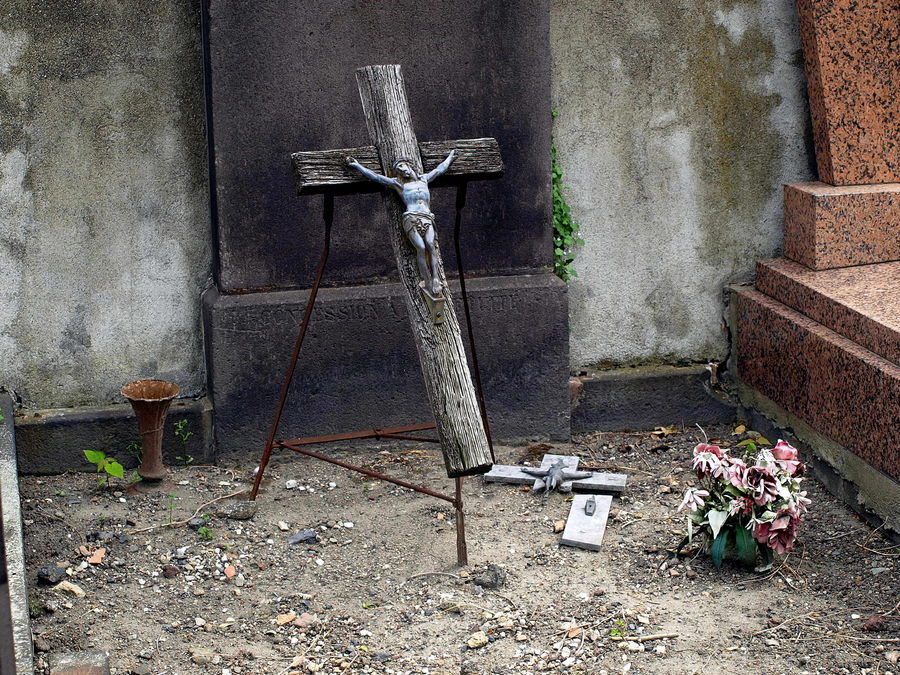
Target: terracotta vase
{"type": "Point", "coordinates": [151, 400]}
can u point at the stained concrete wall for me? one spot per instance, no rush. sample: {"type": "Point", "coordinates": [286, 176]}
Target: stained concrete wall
{"type": "Point", "coordinates": [677, 124]}
{"type": "Point", "coordinates": [104, 225]}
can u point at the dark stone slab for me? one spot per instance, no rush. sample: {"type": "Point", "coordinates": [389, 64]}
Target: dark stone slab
{"type": "Point", "coordinates": [359, 368]}
{"type": "Point", "coordinates": [51, 441]}
{"type": "Point", "coordinates": [283, 80]}
{"type": "Point", "coordinates": [646, 397]}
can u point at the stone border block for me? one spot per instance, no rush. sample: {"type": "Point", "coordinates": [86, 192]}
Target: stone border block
{"type": "Point", "coordinates": [630, 399]}
{"type": "Point", "coordinates": [51, 441]}
{"type": "Point", "coordinates": [13, 555]}
{"type": "Point", "coordinates": [80, 663]}
{"type": "Point", "coordinates": [827, 226]}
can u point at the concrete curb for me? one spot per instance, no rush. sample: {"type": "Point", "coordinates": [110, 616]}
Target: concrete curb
{"type": "Point", "coordinates": [51, 441]}
{"type": "Point", "coordinates": [12, 539]}
{"type": "Point", "coordinates": [628, 399]}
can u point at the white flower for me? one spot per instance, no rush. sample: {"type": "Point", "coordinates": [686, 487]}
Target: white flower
{"type": "Point", "coordinates": [693, 499]}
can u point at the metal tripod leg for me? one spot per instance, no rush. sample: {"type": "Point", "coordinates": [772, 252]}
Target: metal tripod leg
{"type": "Point", "coordinates": [460, 204]}
{"type": "Point", "coordinates": [328, 212]}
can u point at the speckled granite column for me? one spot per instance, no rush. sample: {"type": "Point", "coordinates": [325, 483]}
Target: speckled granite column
{"type": "Point", "coordinates": [837, 387]}
{"type": "Point", "coordinates": [827, 226]}
{"type": "Point", "coordinates": [852, 55]}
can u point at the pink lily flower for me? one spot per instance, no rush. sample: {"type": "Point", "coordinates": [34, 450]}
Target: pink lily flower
{"type": "Point", "coordinates": [780, 533]}
{"type": "Point", "coordinates": [706, 447]}
{"type": "Point", "coordinates": [762, 483]}
{"type": "Point", "coordinates": [786, 456]}
{"type": "Point", "coordinates": [708, 464]}
{"type": "Point", "coordinates": [736, 472]}
{"type": "Point", "coordinates": [693, 499]}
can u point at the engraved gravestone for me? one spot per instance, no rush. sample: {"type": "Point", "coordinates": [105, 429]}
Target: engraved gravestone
{"type": "Point", "coordinates": [281, 80]}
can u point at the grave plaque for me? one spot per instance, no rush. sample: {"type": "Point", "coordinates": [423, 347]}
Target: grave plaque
{"type": "Point", "coordinates": [281, 81]}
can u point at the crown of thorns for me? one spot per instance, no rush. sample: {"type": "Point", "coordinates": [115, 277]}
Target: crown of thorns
{"type": "Point", "coordinates": [402, 160]}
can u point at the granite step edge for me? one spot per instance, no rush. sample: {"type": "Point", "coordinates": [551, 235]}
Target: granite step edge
{"type": "Point", "coordinates": [858, 303]}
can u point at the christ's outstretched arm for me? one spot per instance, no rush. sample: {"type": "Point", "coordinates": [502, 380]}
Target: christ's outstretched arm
{"type": "Point", "coordinates": [440, 168]}
{"type": "Point", "coordinates": [377, 177]}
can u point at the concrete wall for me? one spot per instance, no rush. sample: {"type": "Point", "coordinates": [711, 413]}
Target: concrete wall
{"type": "Point", "coordinates": [104, 225]}
{"type": "Point", "coordinates": [678, 122]}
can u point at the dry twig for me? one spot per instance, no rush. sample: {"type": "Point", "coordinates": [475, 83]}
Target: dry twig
{"type": "Point", "coordinates": [174, 523]}
{"type": "Point", "coordinates": [643, 638]}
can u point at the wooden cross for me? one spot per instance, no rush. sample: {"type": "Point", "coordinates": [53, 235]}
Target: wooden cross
{"type": "Point", "coordinates": [441, 353]}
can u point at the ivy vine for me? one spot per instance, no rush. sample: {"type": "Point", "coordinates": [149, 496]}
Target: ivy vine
{"type": "Point", "coordinates": [565, 230]}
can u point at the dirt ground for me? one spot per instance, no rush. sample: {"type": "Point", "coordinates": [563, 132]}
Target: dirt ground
{"type": "Point", "coordinates": [379, 592]}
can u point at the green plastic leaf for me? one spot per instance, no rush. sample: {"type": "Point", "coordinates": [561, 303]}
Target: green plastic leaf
{"type": "Point", "coordinates": [746, 547]}
{"type": "Point", "coordinates": [717, 550]}
{"type": "Point", "coordinates": [97, 457]}
{"type": "Point", "coordinates": [716, 520]}
{"type": "Point", "coordinates": [750, 445]}
{"type": "Point", "coordinates": [113, 468]}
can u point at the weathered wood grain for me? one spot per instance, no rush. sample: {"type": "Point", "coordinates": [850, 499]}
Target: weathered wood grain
{"type": "Point", "coordinates": [323, 170]}
{"type": "Point", "coordinates": [444, 367]}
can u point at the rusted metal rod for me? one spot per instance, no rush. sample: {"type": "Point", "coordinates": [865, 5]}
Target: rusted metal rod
{"type": "Point", "coordinates": [328, 211]}
{"type": "Point", "coordinates": [462, 554]}
{"type": "Point", "coordinates": [387, 432]}
{"type": "Point", "coordinates": [402, 437]}
{"type": "Point", "coordinates": [479, 390]}
{"type": "Point", "coordinates": [398, 433]}
{"type": "Point", "coordinates": [367, 472]}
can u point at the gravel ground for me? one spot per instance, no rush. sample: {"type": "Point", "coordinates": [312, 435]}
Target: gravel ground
{"type": "Point", "coordinates": [378, 591]}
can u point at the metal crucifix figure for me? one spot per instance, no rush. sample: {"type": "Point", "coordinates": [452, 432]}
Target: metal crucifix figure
{"type": "Point", "coordinates": [418, 220]}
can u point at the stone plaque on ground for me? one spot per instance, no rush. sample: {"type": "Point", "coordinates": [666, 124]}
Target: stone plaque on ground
{"type": "Point", "coordinates": [585, 530]}
{"type": "Point", "coordinates": [519, 475]}
{"type": "Point", "coordinates": [282, 81]}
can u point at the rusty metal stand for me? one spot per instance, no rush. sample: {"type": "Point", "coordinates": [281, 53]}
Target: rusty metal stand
{"type": "Point", "coordinates": [401, 432]}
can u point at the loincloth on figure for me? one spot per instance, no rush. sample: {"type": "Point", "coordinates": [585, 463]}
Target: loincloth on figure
{"type": "Point", "coordinates": [418, 221]}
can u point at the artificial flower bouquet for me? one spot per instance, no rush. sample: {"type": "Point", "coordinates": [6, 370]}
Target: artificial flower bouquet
{"type": "Point", "coordinates": [749, 502]}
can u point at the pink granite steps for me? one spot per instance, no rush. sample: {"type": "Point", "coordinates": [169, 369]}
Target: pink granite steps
{"type": "Point", "coordinates": [838, 387]}
{"type": "Point", "coordinates": [827, 226]}
{"type": "Point", "coordinates": [860, 303]}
